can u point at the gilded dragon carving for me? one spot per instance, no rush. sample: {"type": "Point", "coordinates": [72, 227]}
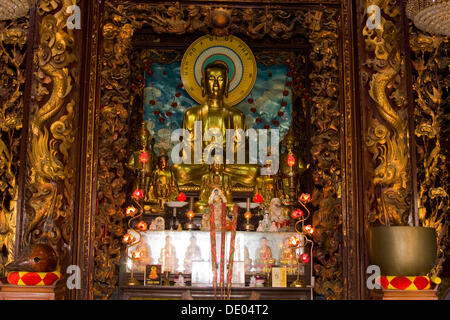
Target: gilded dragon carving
{"type": "Point", "coordinates": [430, 62]}
{"type": "Point", "coordinates": [50, 204]}
{"type": "Point", "coordinates": [13, 39]}
{"type": "Point", "coordinates": [387, 138]}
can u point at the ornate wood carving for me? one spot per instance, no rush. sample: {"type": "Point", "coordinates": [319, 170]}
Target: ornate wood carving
{"type": "Point", "coordinates": [325, 150]}
{"type": "Point", "coordinates": [430, 62]}
{"type": "Point", "coordinates": [13, 40]}
{"type": "Point", "coordinates": [50, 181]}
{"type": "Point", "coordinates": [387, 137]}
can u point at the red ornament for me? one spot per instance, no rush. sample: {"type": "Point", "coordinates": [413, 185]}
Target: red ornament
{"type": "Point", "coordinates": [297, 214]}
{"type": "Point", "coordinates": [291, 160]}
{"type": "Point", "coordinates": [143, 157]}
{"type": "Point", "coordinates": [253, 110]}
{"type": "Point", "coordinates": [283, 103]}
{"type": "Point", "coordinates": [180, 85]}
{"type": "Point", "coordinates": [280, 113]}
{"type": "Point", "coordinates": [257, 198]}
{"type": "Point", "coordinates": [178, 94]}
{"type": "Point", "coordinates": [276, 122]}
{"type": "Point", "coordinates": [133, 87]}
{"type": "Point", "coordinates": [130, 211]}
{"type": "Point", "coordinates": [152, 102]}
{"type": "Point", "coordinates": [258, 120]}
{"type": "Point", "coordinates": [304, 197]}
{"type": "Point", "coordinates": [138, 194]}
{"type": "Point", "coordinates": [156, 112]}
{"type": "Point", "coordinates": [169, 114]}
{"type": "Point", "coordinates": [250, 100]}
{"type": "Point", "coordinates": [288, 84]}
{"type": "Point", "coordinates": [161, 120]}
{"type": "Point", "coordinates": [142, 225]}
{"type": "Point", "coordinates": [285, 93]}
{"type": "Point", "coordinates": [266, 127]}
{"type": "Point", "coordinates": [305, 258]}
{"type": "Point", "coordinates": [150, 72]}
{"type": "Point", "coordinates": [181, 197]}
{"type": "Point", "coordinates": [174, 104]}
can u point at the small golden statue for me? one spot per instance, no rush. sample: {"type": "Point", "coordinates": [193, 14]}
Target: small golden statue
{"type": "Point", "coordinates": [163, 184]}
{"type": "Point", "coordinates": [265, 260]}
{"type": "Point", "coordinates": [268, 186]}
{"type": "Point", "coordinates": [214, 180]}
{"type": "Point", "coordinates": [288, 258]}
{"type": "Point", "coordinates": [215, 114]}
{"type": "Point", "coordinates": [141, 161]}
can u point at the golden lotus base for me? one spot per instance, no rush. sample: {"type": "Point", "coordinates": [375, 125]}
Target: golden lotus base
{"type": "Point", "coordinates": [133, 282]}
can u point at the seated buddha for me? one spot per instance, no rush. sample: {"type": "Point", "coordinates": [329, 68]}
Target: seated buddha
{"type": "Point", "coordinates": [214, 114]}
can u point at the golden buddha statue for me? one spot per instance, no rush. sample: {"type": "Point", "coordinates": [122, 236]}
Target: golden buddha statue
{"type": "Point", "coordinates": [214, 180]}
{"type": "Point", "coordinates": [215, 114]}
{"type": "Point", "coordinates": [265, 260]}
{"type": "Point", "coordinates": [163, 184]}
{"type": "Point", "coordinates": [141, 161]}
{"type": "Point", "coordinates": [288, 257]}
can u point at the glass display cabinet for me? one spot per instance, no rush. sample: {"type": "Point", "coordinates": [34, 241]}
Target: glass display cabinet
{"type": "Point", "coordinates": [265, 266]}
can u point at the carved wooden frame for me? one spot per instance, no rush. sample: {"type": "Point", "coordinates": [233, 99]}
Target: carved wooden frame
{"type": "Point", "coordinates": [350, 242]}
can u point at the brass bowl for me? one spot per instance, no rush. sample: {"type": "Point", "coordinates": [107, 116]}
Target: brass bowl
{"type": "Point", "coordinates": [403, 250]}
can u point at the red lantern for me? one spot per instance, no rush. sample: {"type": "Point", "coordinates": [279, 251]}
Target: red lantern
{"type": "Point", "coordinates": [137, 255]}
{"type": "Point", "coordinates": [291, 160]}
{"type": "Point", "coordinates": [305, 258]}
{"type": "Point", "coordinates": [138, 194]}
{"type": "Point", "coordinates": [258, 198]}
{"type": "Point", "coordinates": [127, 238]}
{"type": "Point", "coordinates": [297, 214]}
{"type": "Point", "coordinates": [142, 225]}
{"type": "Point", "coordinates": [181, 197]}
{"type": "Point", "coordinates": [304, 198]}
{"type": "Point", "coordinates": [143, 157]}
{"type": "Point", "coordinates": [130, 211]}
{"type": "Point", "coordinates": [308, 229]}
{"type": "Point", "coordinates": [178, 94]}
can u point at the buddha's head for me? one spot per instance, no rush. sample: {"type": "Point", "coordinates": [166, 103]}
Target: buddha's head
{"type": "Point", "coordinates": [163, 162]}
{"type": "Point", "coordinates": [215, 81]}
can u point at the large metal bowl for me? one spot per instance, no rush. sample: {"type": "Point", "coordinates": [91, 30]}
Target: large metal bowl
{"type": "Point", "coordinates": [403, 250]}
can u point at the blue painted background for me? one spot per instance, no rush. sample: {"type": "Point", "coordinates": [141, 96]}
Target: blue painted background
{"type": "Point", "coordinates": [162, 87]}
